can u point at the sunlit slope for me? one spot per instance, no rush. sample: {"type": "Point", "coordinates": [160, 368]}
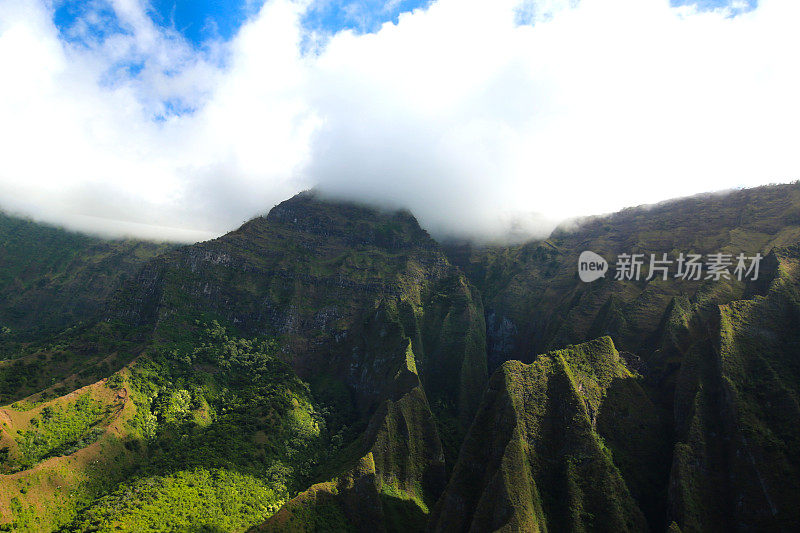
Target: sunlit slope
{"type": "Point", "coordinates": [58, 455]}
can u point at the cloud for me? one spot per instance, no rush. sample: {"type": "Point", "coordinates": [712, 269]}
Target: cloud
{"type": "Point", "coordinates": [476, 115]}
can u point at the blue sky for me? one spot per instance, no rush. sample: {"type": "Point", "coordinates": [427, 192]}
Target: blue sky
{"type": "Point", "coordinates": [202, 20]}
{"type": "Point", "coordinates": [742, 5]}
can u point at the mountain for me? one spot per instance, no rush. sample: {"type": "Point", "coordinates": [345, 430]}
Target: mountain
{"type": "Point", "coordinates": [326, 367]}
{"type": "Point", "coordinates": [367, 309]}
{"type": "Point", "coordinates": [51, 278]}
{"type": "Point", "coordinates": [716, 358]}
{"type": "Point", "coordinates": [344, 288]}
{"type": "Point", "coordinates": [384, 335]}
{"type": "Point", "coordinates": [540, 453]}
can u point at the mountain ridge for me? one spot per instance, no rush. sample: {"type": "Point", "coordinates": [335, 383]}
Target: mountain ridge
{"type": "Point", "coordinates": [632, 405]}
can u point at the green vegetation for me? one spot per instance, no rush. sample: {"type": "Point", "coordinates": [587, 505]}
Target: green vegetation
{"type": "Point", "coordinates": [60, 431]}
{"type": "Point", "coordinates": [199, 499]}
{"type": "Point", "coordinates": [218, 415]}
{"type": "Point", "coordinates": [543, 459]}
{"type": "Point", "coordinates": [51, 279]}
{"type": "Point", "coordinates": [75, 357]}
{"type": "Point", "coordinates": [324, 368]}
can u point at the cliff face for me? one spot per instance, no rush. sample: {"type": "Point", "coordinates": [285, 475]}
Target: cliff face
{"type": "Point", "coordinates": [318, 275]}
{"type": "Point", "coordinates": [362, 301]}
{"type": "Point", "coordinates": [736, 408]}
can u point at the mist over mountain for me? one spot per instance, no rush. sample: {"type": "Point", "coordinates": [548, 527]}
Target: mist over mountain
{"type": "Point", "coordinates": [471, 114]}
{"type": "Point", "coordinates": [332, 367]}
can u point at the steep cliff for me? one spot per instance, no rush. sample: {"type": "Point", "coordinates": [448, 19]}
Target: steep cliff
{"type": "Point", "coordinates": [535, 458]}
{"type": "Point", "coordinates": [369, 312]}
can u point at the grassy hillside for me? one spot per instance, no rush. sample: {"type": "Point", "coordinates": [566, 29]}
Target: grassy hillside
{"type": "Point", "coordinates": [214, 416]}
{"type": "Point", "coordinates": [58, 456]}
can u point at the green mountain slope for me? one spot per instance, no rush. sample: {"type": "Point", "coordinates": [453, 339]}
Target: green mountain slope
{"type": "Point", "coordinates": [324, 368]}
{"type": "Point", "coordinates": [736, 409]}
{"type": "Point", "coordinates": [535, 458]}
{"type": "Point", "coordinates": [365, 309]}
{"type": "Point", "coordinates": [51, 278]}
{"type": "Point", "coordinates": [714, 356]}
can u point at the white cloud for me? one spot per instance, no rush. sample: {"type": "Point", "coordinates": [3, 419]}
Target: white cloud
{"type": "Point", "coordinates": [459, 112]}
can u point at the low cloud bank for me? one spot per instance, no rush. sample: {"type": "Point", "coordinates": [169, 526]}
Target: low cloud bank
{"type": "Point", "coordinates": [478, 116]}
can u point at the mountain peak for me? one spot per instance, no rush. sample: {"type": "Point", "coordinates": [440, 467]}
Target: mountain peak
{"type": "Point", "coordinates": [346, 221]}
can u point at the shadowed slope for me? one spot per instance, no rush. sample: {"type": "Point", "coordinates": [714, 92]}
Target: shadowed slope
{"type": "Point", "coordinates": [51, 278]}
{"type": "Point", "coordinates": [533, 460]}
